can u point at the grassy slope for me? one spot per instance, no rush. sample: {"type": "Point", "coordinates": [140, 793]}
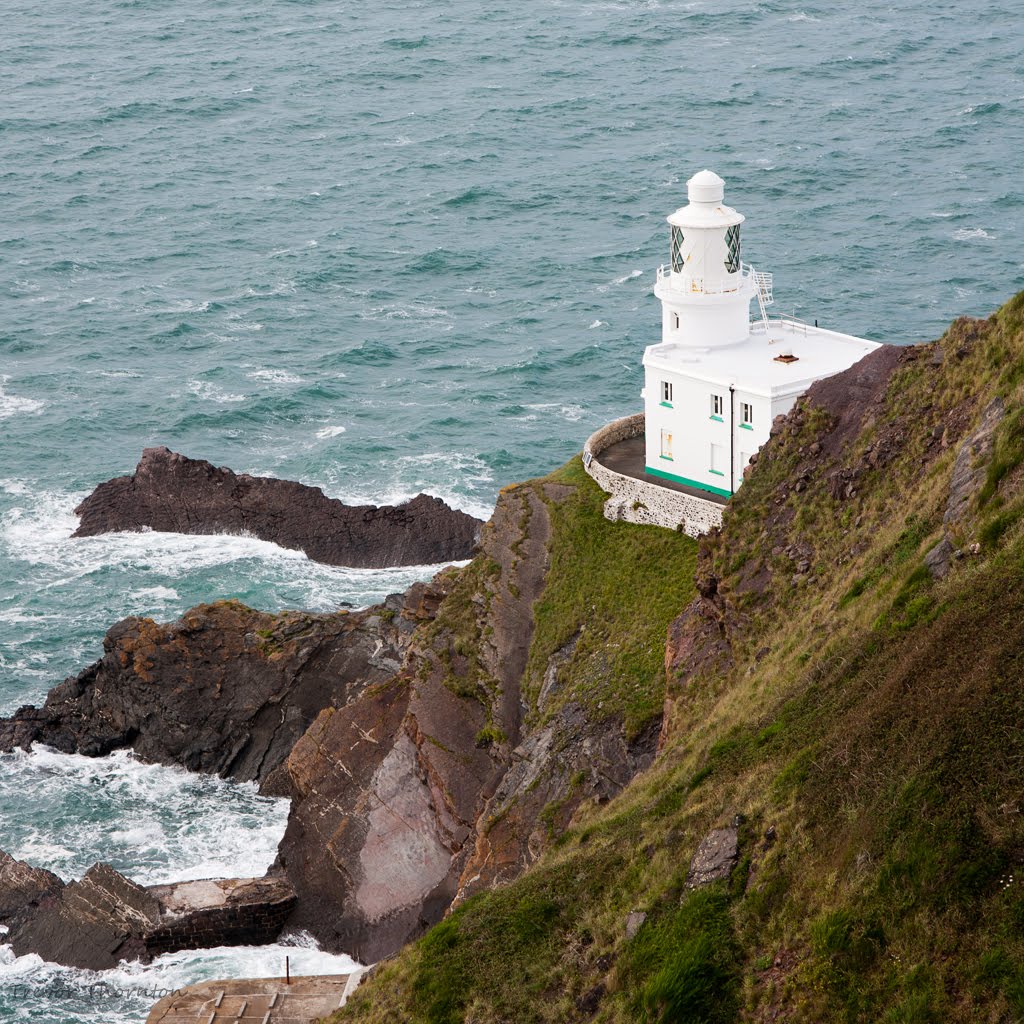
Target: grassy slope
{"type": "Point", "coordinates": [616, 587]}
{"type": "Point", "coordinates": [869, 739]}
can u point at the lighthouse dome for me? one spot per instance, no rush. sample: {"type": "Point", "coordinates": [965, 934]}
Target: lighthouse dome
{"type": "Point", "coordinates": [705, 187]}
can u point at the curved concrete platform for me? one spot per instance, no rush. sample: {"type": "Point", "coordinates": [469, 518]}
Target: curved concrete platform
{"type": "Point", "coordinates": [614, 457]}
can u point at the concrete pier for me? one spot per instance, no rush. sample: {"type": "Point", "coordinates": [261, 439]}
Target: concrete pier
{"type": "Point", "coordinates": [256, 1001]}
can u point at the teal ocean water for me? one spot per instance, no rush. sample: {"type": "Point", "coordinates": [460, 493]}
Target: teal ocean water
{"type": "Point", "coordinates": [393, 247]}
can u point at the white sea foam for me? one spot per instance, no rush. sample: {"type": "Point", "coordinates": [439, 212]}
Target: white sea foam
{"type": "Point", "coordinates": [154, 595]}
{"type": "Point", "coordinates": [326, 432]}
{"type": "Point", "coordinates": [14, 405]}
{"type": "Point", "coordinates": [237, 324]}
{"type": "Point", "coordinates": [153, 822]}
{"type": "Point", "coordinates": [967, 234]}
{"type": "Point", "coordinates": [632, 275]}
{"type": "Point", "coordinates": [412, 311]}
{"type": "Point", "coordinates": [572, 413]}
{"type": "Point", "coordinates": [628, 277]}
{"type": "Point", "coordinates": [275, 376]}
{"type": "Point", "coordinates": [598, 323]}
{"type": "Point", "coordinates": [210, 392]}
{"type": "Point", "coordinates": [125, 994]}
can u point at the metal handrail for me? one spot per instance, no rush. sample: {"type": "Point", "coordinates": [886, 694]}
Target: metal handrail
{"type": "Point", "coordinates": [784, 319]}
{"type": "Point", "coordinates": [696, 284]}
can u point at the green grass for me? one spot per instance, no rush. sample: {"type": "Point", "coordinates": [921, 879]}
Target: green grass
{"type": "Point", "coordinates": [616, 586]}
{"type": "Point", "coordinates": [682, 966]}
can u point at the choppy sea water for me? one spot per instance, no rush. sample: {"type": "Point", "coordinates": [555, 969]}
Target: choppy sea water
{"type": "Point", "coordinates": [393, 247]}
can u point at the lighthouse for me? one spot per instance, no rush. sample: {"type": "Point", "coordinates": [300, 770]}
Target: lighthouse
{"type": "Point", "coordinates": [718, 377]}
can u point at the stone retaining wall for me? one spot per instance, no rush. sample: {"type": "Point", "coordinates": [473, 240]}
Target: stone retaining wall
{"type": "Point", "coordinates": [221, 912]}
{"type": "Point", "coordinates": [640, 501]}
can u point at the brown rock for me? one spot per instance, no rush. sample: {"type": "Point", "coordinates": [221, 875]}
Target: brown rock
{"type": "Point", "coordinates": [715, 858]}
{"type": "Point", "coordinates": [105, 918]}
{"type": "Point", "coordinates": [172, 493]}
{"type": "Point", "coordinates": [224, 689]}
{"type": "Point", "coordinates": [23, 887]}
{"type": "Point", "coordinates": [634, 922]}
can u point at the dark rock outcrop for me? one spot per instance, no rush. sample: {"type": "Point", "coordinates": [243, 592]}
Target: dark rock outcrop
{"type": "Point", "coordinates": [224, 689]}
{"type": "Point", "coordinates": [104, 918]}
{"type": "Point", "coordinates": [23, 887]}
{"type": "Point", "coordinates": [715, 858]}
{"type": "Point", "coordinates": [172, 493]}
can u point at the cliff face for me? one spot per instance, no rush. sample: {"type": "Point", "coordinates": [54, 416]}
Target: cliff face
{"type": "Point", "coordinates": [434, 746]}
{"type": "Point", "coordinates": [832, 830]}
{"type": "Point", "coordinates": [171, 493]}
{"type": "Point", "coordinates": [457, 774]}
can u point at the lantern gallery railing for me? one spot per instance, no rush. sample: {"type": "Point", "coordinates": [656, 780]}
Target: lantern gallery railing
{"type": "Point", "coordinates": [686, 283]}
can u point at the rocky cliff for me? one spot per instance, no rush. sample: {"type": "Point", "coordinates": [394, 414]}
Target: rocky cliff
{"type": "Point", "coordinates": [224, 689]}
{"type": "Point", "coordinates": [171, 493]}
{"type": "Point", "coordinates": [434, 746]}
{"type": "Point", "coordinates": [840, 745]}
{"type": "Point", "coordinates": [457, 774]}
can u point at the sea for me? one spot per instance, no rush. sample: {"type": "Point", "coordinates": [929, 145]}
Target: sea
{"type": "Point", "coordinates": [400, 247]}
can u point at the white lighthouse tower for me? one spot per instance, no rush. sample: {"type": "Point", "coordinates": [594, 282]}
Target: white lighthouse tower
{"type": "Point", "coordinates": [716, 380]}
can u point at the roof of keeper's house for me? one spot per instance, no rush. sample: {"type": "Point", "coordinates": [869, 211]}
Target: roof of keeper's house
{"type": "Point", "coordinates": [753, 365]}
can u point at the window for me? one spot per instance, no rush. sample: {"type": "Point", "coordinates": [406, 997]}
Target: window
{"type": "Point", "coordinates": [666, 444]}
{"type": "Point", "coordinates": [717, 405]}
{"type": "Point", "coordinates": [732, 245]}
{"type": "Point", "coordinates": [746, 414]}
{"type": "Point", "coordinates": [666, 391]}
{"type": "Point", "coordinates": [675, 321]}
{"type": "Point", "coordinates": [677, 250]}
{"type": "Point", "coordinates": [718, 459]}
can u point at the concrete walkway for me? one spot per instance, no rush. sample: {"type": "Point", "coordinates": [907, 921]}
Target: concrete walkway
{"type": "Point", "coordinates": [628, 457]}
{"type": "Point", "coordinates": [256, 1001]}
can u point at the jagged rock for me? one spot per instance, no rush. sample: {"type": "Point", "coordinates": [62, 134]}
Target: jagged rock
{"type": "Point", "coordinates": [715, 858]}
{"type": "Point", "coordinates": [551, 686]}
{"type": "Point", "coordinates": [172, 493]}
{"type": "Point", "coordinates": [23, 887]}
{"type": "Point", "coordinates": [634, 921]}
{"type": "Point", "coordinates": [969, 473]}
{"type": "Point", "coordinates": [224, 689]}
{"type": "Point", "coordinates": [553, 770]}
{"type": "Point", "coordinates": [94, 923]}
{"type": "Point", "coordinates": [105, 918]}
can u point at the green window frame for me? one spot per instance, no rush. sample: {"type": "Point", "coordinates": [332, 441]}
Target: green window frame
{"type": "Point", "coordinates": [678, 260]}
{"type": "Point", "coordinates": [732, 245]}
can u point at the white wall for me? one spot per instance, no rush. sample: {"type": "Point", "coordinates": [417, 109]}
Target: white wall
{"type": "Point", "coordinates": [694, 430]}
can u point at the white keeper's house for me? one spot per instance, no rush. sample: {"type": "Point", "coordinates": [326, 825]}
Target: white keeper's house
{"type": "Point", "coordinates": [715, 381]}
